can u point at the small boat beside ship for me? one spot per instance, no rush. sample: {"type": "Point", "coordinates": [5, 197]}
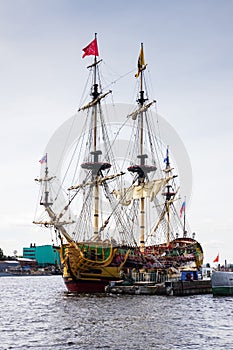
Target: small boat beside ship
{"type": "Point", "coordinates": [222, 283]}
{"type": "Point", "coordinates": [120, 217]}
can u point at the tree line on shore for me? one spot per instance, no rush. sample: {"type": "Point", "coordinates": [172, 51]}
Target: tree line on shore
{"type": "Point", "coordinates": [4, 257]}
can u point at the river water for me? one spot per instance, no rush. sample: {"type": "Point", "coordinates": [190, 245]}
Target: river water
{"type": "Point", "coordinates": [38, 313]}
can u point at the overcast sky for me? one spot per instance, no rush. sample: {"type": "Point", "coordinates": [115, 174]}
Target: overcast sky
{"type": "Point", "coordinates": [189, 51]}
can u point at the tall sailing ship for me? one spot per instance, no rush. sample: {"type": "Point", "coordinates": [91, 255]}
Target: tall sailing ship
{"type": "Point", "coordinates": [119, 215]}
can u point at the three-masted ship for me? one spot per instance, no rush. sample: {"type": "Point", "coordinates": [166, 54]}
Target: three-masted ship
{"type": "Point", "coordinates": [120, 217]}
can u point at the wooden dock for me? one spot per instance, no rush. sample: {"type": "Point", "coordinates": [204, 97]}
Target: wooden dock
{"type": "Point", "coordinates": [176, 288]}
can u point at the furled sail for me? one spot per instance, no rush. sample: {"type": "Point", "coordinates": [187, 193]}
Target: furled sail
{"type": "Point", "coordinates": [146, 190]}
{"type": "Point", "coordinates": [96, 182]}
{"type": "Point", "coordinates": [140, 110]}
{"type": "Point", "coordinates": [94, 102]}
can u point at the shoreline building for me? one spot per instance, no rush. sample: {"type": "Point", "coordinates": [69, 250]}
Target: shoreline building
{"type": "Point", "coordinates": [45, 255]}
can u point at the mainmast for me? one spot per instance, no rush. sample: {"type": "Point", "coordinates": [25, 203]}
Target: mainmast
{"type": "Point", "coordinates": [142, 169]}
{"type": "Point", "coordinates": [142, 156]}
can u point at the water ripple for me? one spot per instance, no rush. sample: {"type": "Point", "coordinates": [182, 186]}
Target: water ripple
{"type": "Point", "coordinates": [37, 313]}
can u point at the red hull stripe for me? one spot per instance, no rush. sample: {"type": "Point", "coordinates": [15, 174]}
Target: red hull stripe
{"type": "Point", "coordinates": [85, 286]}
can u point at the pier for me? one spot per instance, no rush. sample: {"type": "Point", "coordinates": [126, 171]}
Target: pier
{"type": "Point", "coordinates": [176, 288]}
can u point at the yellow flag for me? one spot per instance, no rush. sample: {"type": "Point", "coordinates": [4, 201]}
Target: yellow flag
{"type": "Point", "coordinates": [141, 62]}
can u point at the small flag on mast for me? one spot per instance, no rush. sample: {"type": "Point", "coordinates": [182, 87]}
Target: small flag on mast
{"type": "Point", "coordinates": [167, 156]}
{"type": "Point", "coordinates": [182, 209]}
{"type": "Point", "coordinates": [216, 259]}
{"type": "Point", "coordinates": [141, 62]}
{"type": "Point", "coordinates": [43, 159]}
{"type": "Point", "coordinates": [91, 49]}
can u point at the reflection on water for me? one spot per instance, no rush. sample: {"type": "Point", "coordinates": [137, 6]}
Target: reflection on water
{"type": "Point", "coordinates": [38, 313]}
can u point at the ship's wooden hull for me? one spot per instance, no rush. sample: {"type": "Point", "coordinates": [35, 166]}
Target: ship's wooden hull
{"type": "Point", "coordinates": [90, 268]}
{"type": "Point", "coordinates": [85, 286]}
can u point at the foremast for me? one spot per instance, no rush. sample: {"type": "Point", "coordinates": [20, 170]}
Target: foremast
{"type": "Point", "coordinates": [96, 166]}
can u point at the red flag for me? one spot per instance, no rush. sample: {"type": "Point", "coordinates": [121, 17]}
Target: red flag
{"type": "Point", "coordinates": [216, 259]}
{"type": "Point", "coordinates": [91, 49]}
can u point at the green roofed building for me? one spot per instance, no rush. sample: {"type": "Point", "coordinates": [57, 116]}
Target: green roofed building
{"type": "Point", "coordinates": [45, 254]}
